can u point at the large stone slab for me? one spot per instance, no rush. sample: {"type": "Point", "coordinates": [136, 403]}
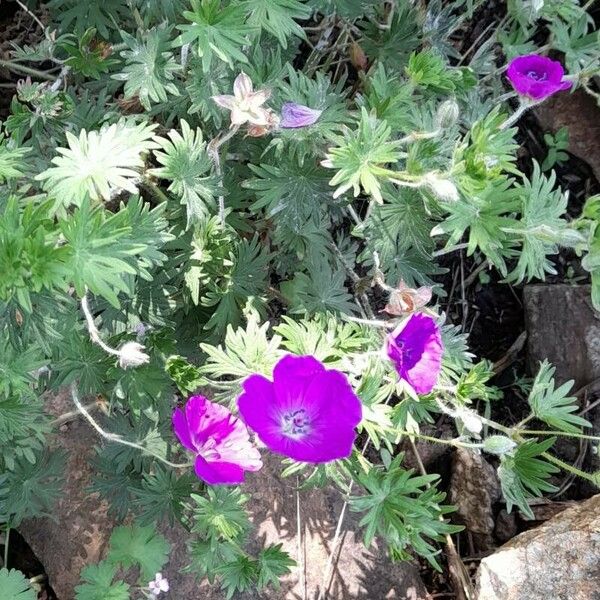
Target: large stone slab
{"type": "Point", "coordinates": [559, 560]}
{"type": "Point", "coordinates": [80, 534]}
{"type": "Point", "coordinates": [564, 328]}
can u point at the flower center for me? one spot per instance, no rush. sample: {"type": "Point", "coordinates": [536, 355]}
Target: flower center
{"type": "Point", "coordinates": [537, 76]}
{"type": "Point", "coordinates": [295, 424]}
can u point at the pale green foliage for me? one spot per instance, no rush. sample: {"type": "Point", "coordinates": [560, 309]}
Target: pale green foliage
{"type": "Point", "coordinates": [98, 163]}
{"type": "Point", "coordinates": [361, 156]}
{"type": "Point", "coordinates": [216, 31]}
{"type": "Point", "coordinates": [186, 164]}
{"type": "Point", "coordinates": [12, 164]}
{"type": "Point", "coordinates": [150, 67]}
{"type": "Point", "coordinates": [99, 585]}
{"type": "Point", "coordinates": [14, 586]}
{"type": "Point", "coordinates": [554, 406]}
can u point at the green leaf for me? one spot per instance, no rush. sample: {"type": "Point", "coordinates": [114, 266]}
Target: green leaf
{"type": "Point", "coordinates": [429, 70]}
{"type": "Point", "coordinates": [273, 563]}
{"type": "Point", "coordinates": [277, 17]}
{"type": "Point", "coordinates": [12, 160]}
{"type": "Point", "coordinates": [554, 406]}
{"type": "Point", "coordinates": [150, 67]}
{"type": "Point", "coordinates": [216, 31]}
{"type": "Point", "coordinates": [524, 476]}
{"type": "Point", "coordinates": [14, 586]}
{"type": "Point", "coordinates": [98, 163]}
{"type": "Point", "coordinates": [78, 17]}
{"type": "Point", "coordinates": [139, 545]}
{"type": "Point", "coordinates": [98, 584]}
{"type": "Point", "coordinates": [186, 164]}
{"type": "Point", "coordinates": [238, 575]}
{"type": "Point", "coordinates": [360, 158]}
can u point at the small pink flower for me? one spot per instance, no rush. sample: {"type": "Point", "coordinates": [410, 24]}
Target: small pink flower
{"type": "Point", "coordinates": [246, 104]}
{"type": "Point", "coordinates": [220, 441]}
{"type": "Point", "coordinates": [295, 115]}
{"type": "Point", "coordinates": [158, 584]}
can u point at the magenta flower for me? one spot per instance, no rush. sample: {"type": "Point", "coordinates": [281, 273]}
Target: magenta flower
{"type": "Point", "coordinates": [536, 76]}
{"type": "Point", "coordinates": [220, 441]}
{"type": "Point", "coordinates": [295, 115]}
{"type": "Point", "coordinates": [307, 412]}
{"type": "Point", "coordinates": [415, 348]}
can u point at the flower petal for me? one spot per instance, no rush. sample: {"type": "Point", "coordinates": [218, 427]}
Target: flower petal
{"type": "Point", "coordinates": [242, 86]}
{"type": "Point", "coordinates": [218, 473]}
{"type": "Point", "coordinates": [296, 115]}
{"type": "Point", "coordinates": [291, 376]}
{"type": "Point", "coordinates": [180, 427]}
{"type": "Point", "coordinates": [224, 101]}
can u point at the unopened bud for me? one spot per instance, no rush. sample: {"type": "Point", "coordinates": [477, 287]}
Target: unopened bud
{"type": "Point", "coordinates": [447, 114]}
{"type": "Point", "coordinates": [470, 420]}
{"type": "Point", "coordinates": [498, 444]}
{"type": "Point", "coordinates": [444, 189]}
{"type": "Point", "coordinates": [131, 354]}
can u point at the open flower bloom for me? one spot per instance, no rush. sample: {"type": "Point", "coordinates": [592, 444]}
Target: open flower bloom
{"type": "Point", "coordinates": [415, 348]}
{"type": "Point", "coordinates": [307, 412]}
{"type": "Point", "coordinates": [246, 104]}
{"type": "Point", "coordinates": [296, 115]}
{"type": "Point", "coordinates": [404, 299]}
{"type": "Point", "coordinates": [158, 584]}
{"type": "Point", "coordinates": [536, 77]}
{"type": "Point", "coordinates": [220, 441]}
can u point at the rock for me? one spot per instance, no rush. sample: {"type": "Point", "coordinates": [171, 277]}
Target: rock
{"type": "Point", "coordinates": [474, 488]}
{"type": "Point", "coordinates": [506, 526]}
{"type": "Point", "coordinates": [82, 529]}
{"type": "Point", "coordinates": [564, 328]}
{"type": "Point", "coordinates": [558, 560]}
{"type": "Point", "coordinates": [581, 115]}
{"type": "Point", "coordinates": [79, 535]}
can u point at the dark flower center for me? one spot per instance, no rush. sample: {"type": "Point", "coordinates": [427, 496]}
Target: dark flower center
{"type": "Point", "coordinates": [537, 75]}
{"type": "Point", "coordinates": [296, 424]}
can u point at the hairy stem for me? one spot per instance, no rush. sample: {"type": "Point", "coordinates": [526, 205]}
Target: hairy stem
{"type": "Point", "coordinates": [112, 437]}
{"type": "Point", "coordinates": [24, 70]}
{"type": "Point", "coordinates": [213, 151]}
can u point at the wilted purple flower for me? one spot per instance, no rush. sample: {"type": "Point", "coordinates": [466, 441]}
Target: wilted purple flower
{"type": "Point", "coordinates": [415, 347]}
{"type": "Point", "coordinates": [307, 412]}
{"type": "Point", "coordinates": [220, 441]}
{"type": "Point", "coordinates": [536, 76]}
{"type": "Point", "coordinates": [296, 115]}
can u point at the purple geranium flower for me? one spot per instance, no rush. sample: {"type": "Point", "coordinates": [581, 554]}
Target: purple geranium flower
{"type": "Point", "coordinates": [220, 441]}
{"type": "Point", "coordinates": [536, 76]}
{"type": "Point", "coordinates": [307, 412]}
{"type": "Point", "coordinates": [415, 347]}
{"type": "Point", "coordinates": [295, 115]}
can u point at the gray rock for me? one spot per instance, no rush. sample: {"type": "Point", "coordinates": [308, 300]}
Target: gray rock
{"type": "Point", "coordinates": [564, 328]}
{"type": "Point", "coordinates": [559, 560]}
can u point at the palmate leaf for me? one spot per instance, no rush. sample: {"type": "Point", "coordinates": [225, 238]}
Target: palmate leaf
{"type": "Point", "coordinates": [277, 17]}
{"type": "Point", "coordinates": [553, 406]}
{"type": "Point", "coordinates": [403, 510]}
{"type": "Point", "coordinates": [31, 489]}
{"type": "Point", "coordinates": [216, 31]}
{"type": "Point", "coordinates": [103, 247]}
{"type": "Point", "coordinates": [139, 545]}
{"type": "Point", "coordinates": [76, 16]}
{"type": "Point", "coordinates": [361, 156]}
{"type": "Point", "coordinates": [150, 67]}
{"type": "Point", "coordinates": [98, 584]}
{"type": "Point", "coordinates": [98, 163]}
{"type": "Point", "coordinates": [12, 160]}
{"type": "Point", "coordinates": [15, 586]}
{"type": "Point", "coordinates": [523, 475]}
{"type": "Point", "coordinates": [273, 563]}
{"type": "Point", "coordinates": [186, 164]}
{"type": "Point", "coordinates": [291, 193]}
{"type": "Point", "coordinates": [18, 367]}
{"type": "Point", "coordinates": [541, 228]}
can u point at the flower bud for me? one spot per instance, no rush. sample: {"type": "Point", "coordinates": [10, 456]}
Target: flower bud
{"type": "Point", "coordinates": [444, 189]}
{"type": "Point", "coordinates": [131, 354]}
{"type": "Point", "coordinates": [498, 444]}
{"type": "Point", "coordinates": [447, 114]}
{"type": "Point", "coordinates": [470, 420]}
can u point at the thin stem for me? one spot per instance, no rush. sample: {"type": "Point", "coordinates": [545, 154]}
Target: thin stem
{"type": "Point", "coordinates": [93, 330]}
{"type": "Point", "coordinates": [300, 537]}
{"type": "Point", "coordinates": [35, 18]}
{"type": "Point", "coordinates": [580, 436]}
{"type": "Point", "coordinates": [569, 468]}
{"type": "Point", "coordinates": [18, 68]}
{"type": "Point", "coordinates": [213, 151]}
{"type": "Point", "coordinates": [6, 542]}
{"type": "Point", "coordinates": [112, 437]}
{"type": "Point", "coordinates": [522, 108]}
{"type": "Point", "coordinates": [72, 414]}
